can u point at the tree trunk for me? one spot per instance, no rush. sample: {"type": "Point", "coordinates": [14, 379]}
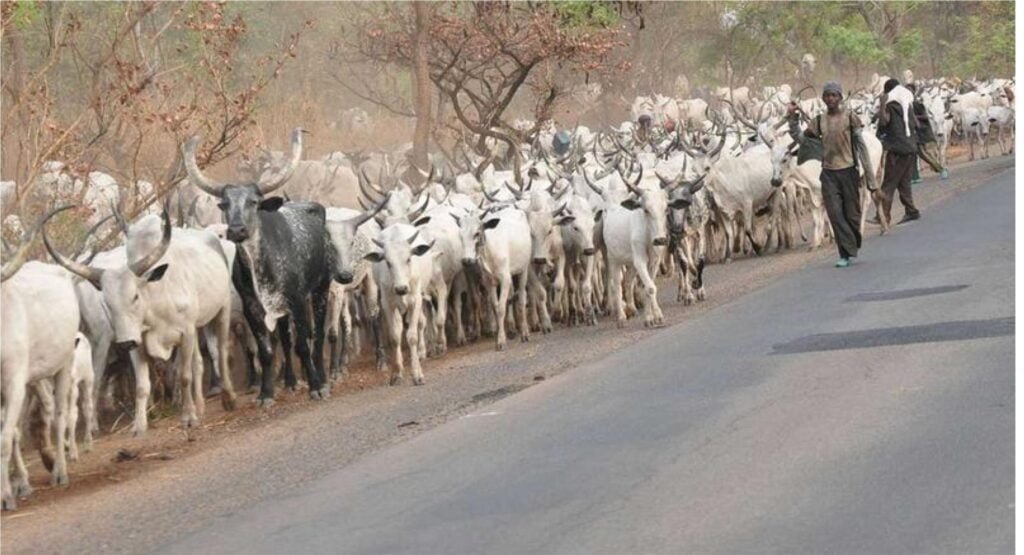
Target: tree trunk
{"type": "Point", "coordinates": [421, 134]}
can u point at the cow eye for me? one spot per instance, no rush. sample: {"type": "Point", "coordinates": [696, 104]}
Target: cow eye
{"type": "Point", "coordinates": [222, 205]}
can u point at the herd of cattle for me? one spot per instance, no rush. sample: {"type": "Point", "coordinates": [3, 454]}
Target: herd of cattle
{"type": "Point", "coordinates": [566, 236]}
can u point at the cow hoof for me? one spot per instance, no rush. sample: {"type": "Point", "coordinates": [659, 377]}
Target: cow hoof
{"type": "Point", "coordinates": [500, 347]}
{"type": "Point", "coordinates": [227, 401]}
{"type": "Point", "coordinates": [396, 380]}
{"type": "Point", "coordinates": [254, 388]}
{"type": "Point", "coordinates": [291, 386]}
{"type": "Point", "coordinates": [189, 422]}
{"type": "Point", "coordinates": [73, 456]}
{"type": "Point", "coordinates": [265, 403]}
{"type": "Point", "coordinates": [316, 395]}
{"type": "Point", "coordinates": [547, 329]}
{"type": "Point", "coordinates": [621, 324]}
{"type": "Point", "coordinates": [9, 504]}
{"type": "Point", "coordinates": [60, 479]}
{"type": "Point", "coordinates": [21, 488]}
{"type": "Point", "coordinates": [418, 381]}
{"type": "Point", "coordinates": [139, 432]}
{"type": "Point", "coordinates": [215, 391]}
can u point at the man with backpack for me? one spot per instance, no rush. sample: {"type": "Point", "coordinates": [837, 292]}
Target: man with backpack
{"type": "Point", "coordinates": [839, 131]}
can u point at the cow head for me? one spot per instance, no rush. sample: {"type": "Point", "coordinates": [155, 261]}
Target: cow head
{"type": "Point", "coordinates": [241, 203]}
{"type": "Point", "coordinates": [125, 290]}
{"type": "Point", "coordinates": [782, 158]}
{"type": "Point", "coordinates": [472, 231]}
{"type": "Point", "coordinates": [397, 245]}
{"type": "Point", "coordinates": [344, 234]}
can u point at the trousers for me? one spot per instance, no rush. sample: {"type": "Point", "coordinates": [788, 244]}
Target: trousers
{"type": "Point", "coordinates": [899, 168]}
{"type": "Point", "coordinates": [840, 191]}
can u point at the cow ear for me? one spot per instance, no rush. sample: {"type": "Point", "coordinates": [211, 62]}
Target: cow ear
{"type": "Point", "coordinates": [272, 204]}
{"type": "Point", "coordinates": [597, 216]}
{"type": "Point", "coordinates": [373, 257]}
{"type": "Point", "coordinates": [421, 221]}
{"type": "Point", "coordinates": [420, 250]}
{"type": "Point", "coordinates": [679, 204]}
{"type": "Point", "coordinates": [565, 220]}
{"type": "Point", "coordinates": [491, 224]}
{"type": "Point", "coordinates": [630, 204]}
{"type": "Point", "coordinates": [157, 273]}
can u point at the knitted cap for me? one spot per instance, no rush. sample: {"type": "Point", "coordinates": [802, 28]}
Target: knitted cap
{"type": "Point", "coordinates": [832, 86]}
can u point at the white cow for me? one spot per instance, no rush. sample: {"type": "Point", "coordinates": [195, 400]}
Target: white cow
{"type": "Point", "coordinates": [1003, 119]}
{"type": "Point", "coordinates": [39, 318]}
{"type": "Point", "coordinates": [169, 287]}
{"type": "Point", "coordinates": [974, 122]}
{"type": "Point", "coordinates": [403, 270]}
{"type": "Point", "coordinates": [497, 241]}
{"type": "Point", "coordinates": [635, 235]}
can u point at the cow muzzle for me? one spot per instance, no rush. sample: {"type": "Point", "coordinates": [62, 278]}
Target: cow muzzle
{"type": "Point", "coordinates": [401, 289]}
{"type": "Point", "coordinates": [469, 262]}
{"type": "Point", "coordinates": [344, 278]}
{"type": "Point", "coordinates": [776, 182]}
{"type": "Point", "coordinates": [588, 252]}
{"type": "Point", "coordinates": [237, 234]}
{"type": "Point", "coordinates": [660, 242]}
{"type": "Point", "coordinates": [126, 346]}
{"type": "Point", "coordinates": [540, 261]}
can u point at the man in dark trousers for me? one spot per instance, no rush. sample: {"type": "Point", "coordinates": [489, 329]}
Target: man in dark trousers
{"type": "Point", "coordinates": [839, 132]}
{"type": "Point", "coordinates": [897, 129]}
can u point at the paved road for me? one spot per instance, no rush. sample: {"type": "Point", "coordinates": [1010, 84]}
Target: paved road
{"type": "Point", "coordinates": [866, 410]}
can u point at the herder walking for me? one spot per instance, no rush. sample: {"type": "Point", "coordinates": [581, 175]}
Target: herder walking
{"type": "Point", "coordinates": [839, 131]}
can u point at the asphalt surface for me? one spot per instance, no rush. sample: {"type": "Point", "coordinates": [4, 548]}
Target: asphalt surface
{"type": "Point", "coordinates": [862, 410]}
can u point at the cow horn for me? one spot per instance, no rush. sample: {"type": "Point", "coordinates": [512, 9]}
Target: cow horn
{"type": "Point", "coordinates": [518, 194]}
{"type": "Point", "coordinates": [416, 212]}
{"type": "Point", "coordinates": [488, 195]}
{"type": "Point", "coordinates": [143, 265]}
{"type": "Point", "coordinates": [371, 191]}
{"type": "Point", "coordinates": [360, 220]}
{"type": "Point", "coordinates": [591, 184]}
{"type": "Point", "coordinates": [739, 116]}
{"type": "Point", "coordinates": [196, 176]}
{"type": "Point", "coordinates": [18, 259]}
{"type": "Point", "coordinates": [275, 182]}
{"type": "Point", "coordinates": [696, 184]}
{"type": "Point", "coordinates": [88, 234]}
{"type": "Point", "coordinates": [94, 275]}
{"type": "Point", "coordinates": [412, 239]}
{"type": "Point", "coordinates": [719, 146]}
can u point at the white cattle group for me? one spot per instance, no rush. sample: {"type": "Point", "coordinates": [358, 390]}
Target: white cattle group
{"type": "Point", "coordinates": [355, 256]}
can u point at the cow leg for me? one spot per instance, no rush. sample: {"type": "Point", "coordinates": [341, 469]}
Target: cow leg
{"type": "Point", "coordinates": [499, 299]}
{"type": "Point", "coordinates": [300, 316]}
{"type": "Point", "coordinates": [140, 361]}
{"type": "Point", "coordinates": [61, 393]}
{"type": "Point", "coordinates": [100, 351]}
{"type": "Point", "coordinates": [371, 296]}
{"type": "Point", "coordinates": [189, 418]}
{"type": "Point", "coordinates": [88, 410]}
{"type": "Point", "coordinates": [207, 350]}
{"type": "Point", "coordinates": [20, 485]}
{"type": "Point", "coordinates": [218, 335]}
{"type": "Point", "coordinates": [197, 367]}
{"type": "Point", "coordinates": [413, 336]}
{"type": "Point", "coordinates": [629, 282]}
{"type": "Point", "coordinates": [440, 317]}
{"type": "Point", "coordinates": [394, 322]}
{"type": "Point", "coordinates": [247, 342]}
{"type": "Point", "coordinates": [614, 277]}
{"type": "Point", "coordinates": [72, 428]}
{"type": "Point", "coordinates": [533, 282]}
{"type": "Point", "coordinates": [13, 399]}
{"type": "Point", "coordinates": [284, 336]}
{"type": "Point", "coordinates": [335, 308]}
{"type": "Point", "coordinates": [319, 327]}
{"type": "Point", "coordinates": [644, 268]}
{"type": "Point", "coordinates": [458, 289]}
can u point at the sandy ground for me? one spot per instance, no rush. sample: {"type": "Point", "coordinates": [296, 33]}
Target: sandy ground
{"type": "Point", "coordinates": [134, 494]}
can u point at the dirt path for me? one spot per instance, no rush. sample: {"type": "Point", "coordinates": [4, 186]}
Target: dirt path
{"type": "Point", "coordinates": [133, 494]}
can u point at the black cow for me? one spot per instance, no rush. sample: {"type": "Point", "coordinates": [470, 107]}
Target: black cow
{"type": "Point", "coordinates": [284, 265]}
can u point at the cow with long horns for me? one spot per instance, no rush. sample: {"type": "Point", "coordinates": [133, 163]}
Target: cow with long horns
{"type": "Point", "coordinates": [169, 287]}
{"type": "Point", "coordinates": [285, 263]}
